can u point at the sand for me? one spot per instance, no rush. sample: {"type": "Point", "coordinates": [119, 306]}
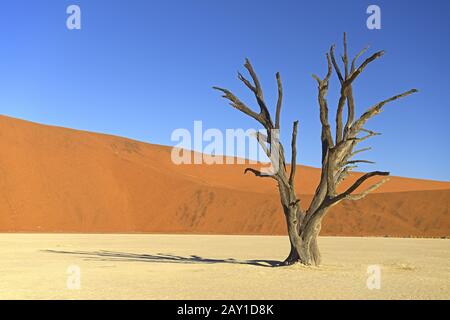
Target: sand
{"type": "Point", "coordinates": [54, 179]}
{"type": "Point", "coordinates": [34, 266]}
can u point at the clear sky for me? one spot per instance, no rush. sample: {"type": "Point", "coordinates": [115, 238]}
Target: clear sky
{"type": "Point", "coordinates": [141, 69]}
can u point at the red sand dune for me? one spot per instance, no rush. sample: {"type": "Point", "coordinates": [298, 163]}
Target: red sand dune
{"type": "Point", "coordinates": [55, 179]}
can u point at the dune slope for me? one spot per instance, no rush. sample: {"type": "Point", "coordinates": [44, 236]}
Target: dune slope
{"type": "Point", "coordinates": [55, 179]}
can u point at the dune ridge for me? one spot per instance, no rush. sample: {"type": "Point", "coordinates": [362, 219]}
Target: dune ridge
{"type": "Point", "coordinates": [54, 179]}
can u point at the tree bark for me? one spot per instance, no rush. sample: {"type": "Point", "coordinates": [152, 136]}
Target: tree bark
{"type": "Point", "coordinates": [303, 241]}
{"type": "Point", "coordinates": [295, 241]}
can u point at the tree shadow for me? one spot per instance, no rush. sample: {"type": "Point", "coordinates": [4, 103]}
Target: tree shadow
{"type": "Point", "coordinates": [104, 255]}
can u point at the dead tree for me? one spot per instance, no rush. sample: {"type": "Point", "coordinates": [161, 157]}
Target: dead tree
{"type": "Point", "coordinates": [337, 152]}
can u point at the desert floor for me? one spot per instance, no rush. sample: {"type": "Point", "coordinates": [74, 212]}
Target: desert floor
{"type": "Point", "coordinates": [136, 266]}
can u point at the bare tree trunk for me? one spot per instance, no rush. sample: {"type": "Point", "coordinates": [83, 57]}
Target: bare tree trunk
{"type": "Point", "coordinates": [310, 245]}
{"type": "Point", "coordinates": [314, 247]}
{"type": "Point", "coordinates": [303, 235]}
{"type": "Point", "coordinates": [304, 245]}
{"type": "Point", "coordinates": [295, 241]}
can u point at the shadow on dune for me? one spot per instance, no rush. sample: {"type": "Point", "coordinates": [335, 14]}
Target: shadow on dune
{"type": "Point", "coordinates": [104, 255]}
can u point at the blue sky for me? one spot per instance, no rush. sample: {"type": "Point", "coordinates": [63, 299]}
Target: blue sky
{"type": "Point", "coordinates": [141, 69]}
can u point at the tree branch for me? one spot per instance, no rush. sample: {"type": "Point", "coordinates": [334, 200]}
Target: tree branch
{"type": "Point", "coordinates": [345, 87]}
{"type": "Point", "coordinates": [343, 173]}
{"type": "Point", "coordinates": [294, 154]}
{"type": "Point", "coordinates": [258, 173]}
{"type": "Point", "coordinates": [251, 71]}
{"type": "Point", "coordinates": [263, 117]}
{"type": "Point", "coordinates": [335, 65]}
{"type": "Point", "coordinates": [366, 62]}
{"type": "Point", "coordinates": [359, 151]}
{"type": "Point", "coordinates": [363, 194]}
{"type": "Point", "coordinates": [374, 110]}
{"type": "Point", "coordinates": [262, 140]}
{"type": "Point", "coordinates": [257, 89]}
{"type": "Point", "coordinates": [237, 104]}
{"type": "Point", "coordinates": [323, 89]}
{"type": "Point", "coordinates": [369, 134]}
{"type": "Point", "coordinates": [345, 56]}
{"type": "Point", "coordinates": [359, 161]}
{"type": "Point", "coordinates": [356, 184]}
{"type": "Point", "coordinates": [340, 110]}
{"type": "Point", "coordinates": [350, 111]}
{"type": "Point", "coordinates": [279, 101]}
{"type": "Point", "coordinates": [353, 67]}
{"type": "Point", "coordinates": [247, 83]}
